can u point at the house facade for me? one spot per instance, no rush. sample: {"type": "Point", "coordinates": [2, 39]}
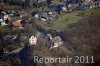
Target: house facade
{"type": "Point", "coordinates": [32, 40]}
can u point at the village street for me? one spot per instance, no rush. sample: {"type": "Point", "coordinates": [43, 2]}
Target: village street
{"type": "Point", "coordinates": [51, 29]}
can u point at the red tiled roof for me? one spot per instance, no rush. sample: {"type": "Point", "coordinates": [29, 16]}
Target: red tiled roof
{"type": "Point", "coordinates": [16, 24]}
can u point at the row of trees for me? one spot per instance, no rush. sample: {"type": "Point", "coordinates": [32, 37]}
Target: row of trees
{"type": "Point", "coordinates": [23, 2]}
{"type": "Point", "coordinates": [18, 2]}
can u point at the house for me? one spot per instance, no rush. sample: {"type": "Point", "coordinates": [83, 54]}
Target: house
{"type": "Point", "coordinates": [32, 40]}
{"type": "Point", "coordinates": [2, 22]}
{"type": "Point", "coordinates": [69, 7]}
{"type": "Point", "coordinates": [57, 41]}
{"type": "Point", "coordinates": [5, 17]}
{"type": "Point", "coordinates": [54, 41]}
{"type": "Point", "coordinates": [10, 38]}
{"type": "Point", "coordinates": [41, 1]}
{"type": "Point", "coordinates": [50, 13]}
{"type": "Point", "coordinates": [36, 16]}
{"type": "Point", "coordinates": [34, 13]}
{"type": "Point", "coordinates": [3, 13]}
{"type": "Point", "coordinates": [5, 50]}
{"type": "Point", "coordinates": [17, 24]}
{"type": "Point", "coordinates": [44, 19]}
{"type": "Point", "coordinates": [49, 36]}
{"type": "Point", "coordinates": [90, 0]}
{"type": "Point", "coordinates": [64, 9]}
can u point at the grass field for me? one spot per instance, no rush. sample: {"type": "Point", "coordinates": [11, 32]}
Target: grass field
{"type": "Point", "coordinates": [64, 20]}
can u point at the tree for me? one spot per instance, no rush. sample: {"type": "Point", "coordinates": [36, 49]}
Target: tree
{"type": "Point", "coordinates": [29, 3]}
{"type": "Point", "coordinates": [3, 31]}
{"type": "Point", "coordinates": [30, 27]}
{"type": "Point", "coordinates": [49, 2]}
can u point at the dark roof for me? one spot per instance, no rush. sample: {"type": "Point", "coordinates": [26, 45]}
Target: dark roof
{"type": "Point", "coordinates": [9, 38]}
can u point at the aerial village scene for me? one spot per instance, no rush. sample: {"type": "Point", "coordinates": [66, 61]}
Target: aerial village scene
{"type": "Point", "coordinates": [49, 32]}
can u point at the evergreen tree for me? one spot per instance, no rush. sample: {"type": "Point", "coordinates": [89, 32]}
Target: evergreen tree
{"type": "Point", "coordinates": [29, 3]}
{"type": "Point", "coordinates": [49, 2]}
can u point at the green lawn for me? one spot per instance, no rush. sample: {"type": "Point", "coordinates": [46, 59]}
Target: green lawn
{"type": "Point", "coordinates": [64, 20]}
{"type": "Point", "coordinates": [97, 10]}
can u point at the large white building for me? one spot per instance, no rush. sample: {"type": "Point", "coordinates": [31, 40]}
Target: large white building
{"type": "Point", "coordinates": [32, 40]}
